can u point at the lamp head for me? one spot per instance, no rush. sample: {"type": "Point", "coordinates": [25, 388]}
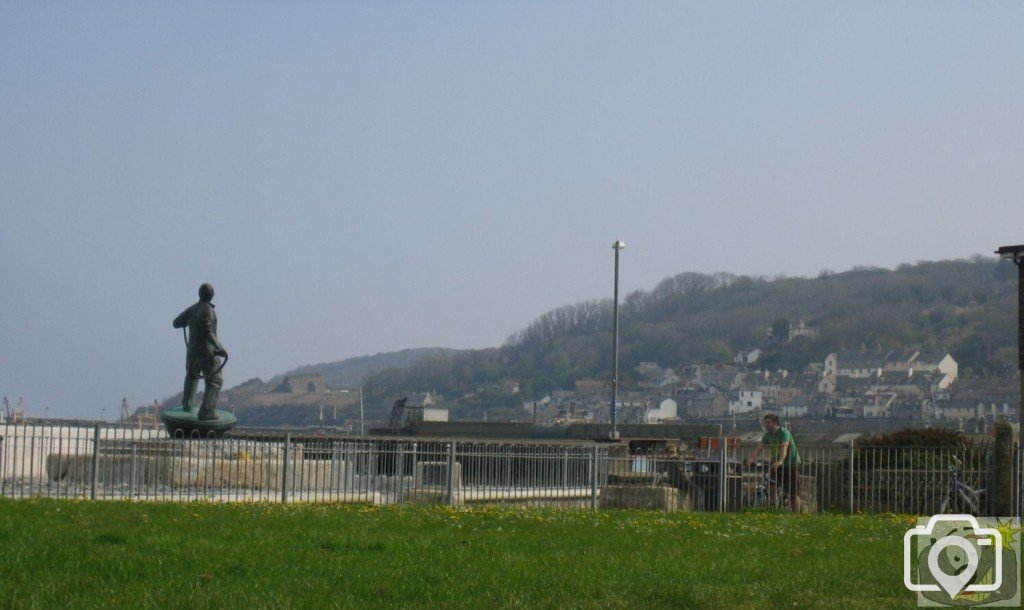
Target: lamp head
{"type": "Point", "coordinates": [1013, 253]}
{"type": "Point", "coordinates": [619, 245]}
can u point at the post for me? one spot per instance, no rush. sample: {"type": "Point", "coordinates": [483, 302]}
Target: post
{"type": "Point", "coordinates": [284, 468]}
{"type": "Point", "coordinates": [134, 472]}
{"type": "Point", "coordinates": [95, 459]}
{"type": "Point", "coordinates": [1015, 254]}
{"type": "Point", "coordinates": [849, 479]}
{"type": "Point", "coordinates": [1001, 473]}
{"type": "Point", "coordinates": [451, 474]}
{"type": "Point", "coordinates": [400, 471]}
{"type": "Point", "coordinates": [565, 468]}
{"type": "Point", "coordinates": [361, 411]}
{"type": "Point", "coordinates": [1020, 348]}
{"type": "Point", "coordinates": [617, 246]}
{"type": "Point", "coordinates": [1019, 480]}
{"type": "Point", "coordinates": [593, 477]}
{"type": "Point", "coordinates": [723, 457]}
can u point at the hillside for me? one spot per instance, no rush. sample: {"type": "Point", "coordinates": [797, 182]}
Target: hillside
{"type": "Point", "coordinates": [967, 307]}
{"type": "Point", "coordinates": [351, 372]}
{"type": "Point", "coordinates": [258, 405]}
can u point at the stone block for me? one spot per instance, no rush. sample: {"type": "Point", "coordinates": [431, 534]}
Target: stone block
{"type": "Point", "coordinates": [632, 496]}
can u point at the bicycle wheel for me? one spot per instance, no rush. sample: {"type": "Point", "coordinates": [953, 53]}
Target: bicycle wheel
{"type": "Point", "coordinates": [755, 500]}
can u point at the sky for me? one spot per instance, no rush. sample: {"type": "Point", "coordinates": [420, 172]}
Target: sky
{"type": "Point", "coordinates": [363, 177]}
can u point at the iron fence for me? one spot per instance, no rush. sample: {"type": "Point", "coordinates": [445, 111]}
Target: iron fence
{"type": "Point", "coordinates": [126, 463]}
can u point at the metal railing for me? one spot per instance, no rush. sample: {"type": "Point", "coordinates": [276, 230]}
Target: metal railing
{"type": "Point", "coordinates": [125, 463]}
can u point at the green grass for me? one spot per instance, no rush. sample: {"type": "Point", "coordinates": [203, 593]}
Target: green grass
{"type": "Point", "coordinates": [148, 555]}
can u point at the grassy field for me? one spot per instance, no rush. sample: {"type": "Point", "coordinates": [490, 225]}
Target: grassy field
{"type": "Point", "coordinates": [147, 555]}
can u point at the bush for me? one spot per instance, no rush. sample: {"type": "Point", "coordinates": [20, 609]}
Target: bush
{"type": "Point", "coordinates": [921, 437]}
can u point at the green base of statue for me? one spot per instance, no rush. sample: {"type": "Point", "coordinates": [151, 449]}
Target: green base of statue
{"type": "Point", "coordinates": [186, 424]}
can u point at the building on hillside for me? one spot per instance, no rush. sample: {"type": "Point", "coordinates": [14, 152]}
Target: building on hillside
{"type": "Point", "coordinates": [745, 400]}
{"type": "Point", "coordinates": [900, 360]}
{"type": "Point", "coordinates": [302, 384]}
{"type": "Point", "coordinates": [958, 409]}
{"type": "Point", "coordinates": [667, 378]}
{"type": "Point", "coordinates": [648, 369]}
{"type": "Point", "coordinates": [701, 402]}
{"type": "Point", "coordinates": [505, 387]}
{"type": "Point", "coordinates": [939, 361]}
{"type": "Point", "coordinates": [571, 412]}
{"type": "Point", "coordinates": [878, 404]}
{"type": "Point", "coordinates": [418, 414]}
{"type": "Point", "coordinates": [773, 387]}
{"type": "Point", "coordinates": [664, 409]}
{"type": "Point", "coordinates": [652, 376]}
{"type": "Point", "coordinates": [854, 363]}
{"type": "Point", "coordinates": [748, 356]}
{"type": "Point", "coordinates": [421, 407]}
{"type": "Point", "coordinates": [801, 329]}
{"type": "Point", "coordinates": [721, 376]}
{"type": "Point", "coordinates": [535, 409]}
{"type": "Point", "coordinates": [796, 407]}
{"type": "Point", "coordinates": [420, 400]}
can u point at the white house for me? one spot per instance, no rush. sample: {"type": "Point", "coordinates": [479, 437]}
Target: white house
{"type": "Point", "coordinates": [746, 400]}
{"type": "Point", "coordinates": [793, 410]}
{"type": "Point", "coordinates": [748, 357]}
{"type": "Point", "coordinates": [803, 330]}
{"type": "Point", "coordinates": [939, 361]}
{"type": "Point", "coordinates": [428, 414]}
{"type": "Point", "coordinates": [664, 409]}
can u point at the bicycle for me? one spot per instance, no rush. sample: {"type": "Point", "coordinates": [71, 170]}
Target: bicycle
{"type": "Point", "coordinates": [961, 497]}
{"type": "Point", "coordinates": [761, 497]}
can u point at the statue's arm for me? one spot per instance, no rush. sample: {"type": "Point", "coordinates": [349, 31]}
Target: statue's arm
{"type": "Point", "coordinates": [182, 320]}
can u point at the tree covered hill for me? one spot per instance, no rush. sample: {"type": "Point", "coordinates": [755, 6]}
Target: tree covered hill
{"type": "Point", "coordinates": [967, 307]}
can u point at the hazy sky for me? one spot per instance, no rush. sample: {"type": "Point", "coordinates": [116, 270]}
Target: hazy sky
{"type": "Point", "coordinates": [363, 177]}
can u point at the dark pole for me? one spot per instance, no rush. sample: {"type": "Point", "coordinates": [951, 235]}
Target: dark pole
{"type": "Point", "coordinates": [618, 245]}
{"type": "Point", "coordinates": [1016, 255]}
{"type": "Point", "coordinates": [1020, 348]}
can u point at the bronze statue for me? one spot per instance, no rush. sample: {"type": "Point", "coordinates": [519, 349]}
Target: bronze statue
{"type": "Point", "coordinates": [203, 358]}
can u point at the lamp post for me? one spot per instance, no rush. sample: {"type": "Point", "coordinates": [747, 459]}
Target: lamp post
{"type": "Point", "coordinates": [1016, 254]}
{"type": "Point", "coordinates": [617, 246]}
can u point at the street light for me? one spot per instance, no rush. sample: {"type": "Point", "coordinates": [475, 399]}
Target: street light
{"type": "Point", "coordinates": [617, 246]}
{"type": "Point", "coordinates": [1016, 255]}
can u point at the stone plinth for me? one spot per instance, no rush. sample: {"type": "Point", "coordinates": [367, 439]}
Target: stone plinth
{"type": "Point", "coordinates": [632, 496]}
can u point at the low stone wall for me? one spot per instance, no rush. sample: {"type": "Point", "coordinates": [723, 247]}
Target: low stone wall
{"type": "Point", "coordinates": [633, 496]}
{"type": "Point", "coordinates": [237, 473]}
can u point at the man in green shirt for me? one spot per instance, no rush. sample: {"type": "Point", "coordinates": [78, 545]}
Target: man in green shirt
{"type": "Point", "coordinates": [785, 467]}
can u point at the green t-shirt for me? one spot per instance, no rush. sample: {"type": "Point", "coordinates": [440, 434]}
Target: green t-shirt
{"type": "Point", "coordinates": [774, 441]}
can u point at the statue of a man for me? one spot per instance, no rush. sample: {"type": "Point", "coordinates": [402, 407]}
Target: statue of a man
{"type": "Point", "coordinates": [203, 355]}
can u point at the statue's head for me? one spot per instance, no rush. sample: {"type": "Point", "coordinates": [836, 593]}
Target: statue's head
{"type": "Point", "coordinates": [206, 292]}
